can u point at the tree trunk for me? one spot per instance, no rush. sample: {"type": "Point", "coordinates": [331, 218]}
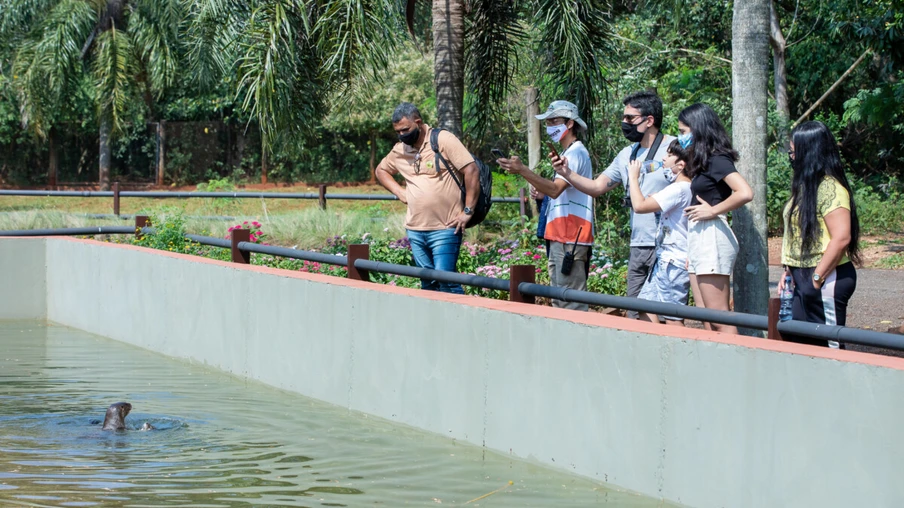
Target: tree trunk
{"type": "Point", "coordinates": [264, 150]}
{"type": "Point", "coordinates": [161, 151]}
{"type": "Point", "coordinates": [54, 165]}
{"type": "Point", "coordinates": [532, 103]}
{"type": "Point", "coordinates": [448, 62]}
{"type": "Point", "coordinates": [779, 75]}
{"type": "Point", "coordinates": [105, 152]}
{"type": "Point", "coordinates": [750, 108]}
{"type": "Point", "coordinates": [373, 157]}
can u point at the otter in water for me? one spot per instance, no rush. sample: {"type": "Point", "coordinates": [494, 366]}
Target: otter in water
{"type": "Point", "coordinates": [116, 416]}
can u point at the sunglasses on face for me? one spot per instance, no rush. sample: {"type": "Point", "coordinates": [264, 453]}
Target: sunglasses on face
{"type": "Point", "coordinates": [631, 118]}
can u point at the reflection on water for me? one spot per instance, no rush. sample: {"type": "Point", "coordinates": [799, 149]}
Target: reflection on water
{"type": "Point", "coordinates": [221, 441]}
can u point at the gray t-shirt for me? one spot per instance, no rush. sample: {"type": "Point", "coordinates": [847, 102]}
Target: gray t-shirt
{"type": "Point", "coordinates": [643, 225]}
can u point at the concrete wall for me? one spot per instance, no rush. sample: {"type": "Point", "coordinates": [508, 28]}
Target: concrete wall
{"type": "Point", "coordinates": [694, 417]}
{"type": "Point", "coordinates": [24, 279]}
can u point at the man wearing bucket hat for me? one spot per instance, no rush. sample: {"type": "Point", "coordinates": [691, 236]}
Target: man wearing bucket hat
{"type": "Point", "coordinates": [569, 215]}
{"type": "Point", "coordinates": [641, 121]}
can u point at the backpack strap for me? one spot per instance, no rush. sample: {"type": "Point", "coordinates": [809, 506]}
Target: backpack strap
{"type": "Point", "coordinates": [434, 144]}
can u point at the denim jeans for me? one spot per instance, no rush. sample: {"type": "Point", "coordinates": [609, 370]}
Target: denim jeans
{"type": "Point", "coordinates": [437, 250]}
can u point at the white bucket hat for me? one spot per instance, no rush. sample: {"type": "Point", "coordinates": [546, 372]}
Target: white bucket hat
{"type": "Point", "coordinates": [563, 109]}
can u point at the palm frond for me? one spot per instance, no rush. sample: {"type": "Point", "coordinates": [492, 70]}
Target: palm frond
{"type": "Point", "coordinates": [279, 74]}
{"type": "Point", "coordinates": [113, 67]}
{"type": "Point", "coordinates": [574, 34]}
{"type": "Point", "coordinates": [154, 27]}
{"type": "Point", "coordinates": [213, 30]}
{"type": "Point", "coordinates": [18, 16]}
{"type": "Point", "coordinates": [49, 61]}
{"type": "Point", "coordinates": [355, 37]}
{"type": "Point", "coordinates": [493, 35]}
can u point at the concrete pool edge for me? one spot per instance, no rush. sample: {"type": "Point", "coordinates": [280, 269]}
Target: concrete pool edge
{"type": "Point", "coordinates": [597, 395]}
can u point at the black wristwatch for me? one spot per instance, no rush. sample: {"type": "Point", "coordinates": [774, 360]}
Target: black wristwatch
{"type": "Point", "coordinates": [468, 211]}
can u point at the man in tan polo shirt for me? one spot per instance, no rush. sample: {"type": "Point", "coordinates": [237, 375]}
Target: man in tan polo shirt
{"type": "Point", "coordinates": [436, 215]}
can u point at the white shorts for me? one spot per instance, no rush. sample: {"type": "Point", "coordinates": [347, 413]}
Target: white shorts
{"type": "Point", "coordinates": [711, 247]}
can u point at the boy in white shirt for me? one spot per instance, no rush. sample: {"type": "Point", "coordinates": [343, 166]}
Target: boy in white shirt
{"type": "Point", "coordinates": [669, 280]}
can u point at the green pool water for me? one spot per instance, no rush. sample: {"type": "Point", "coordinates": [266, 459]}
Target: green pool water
{"type": "Point", "coordinates": [221, 441]}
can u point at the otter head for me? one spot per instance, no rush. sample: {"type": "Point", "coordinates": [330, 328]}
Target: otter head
{"type": "Point", "coordinates": [116, 416]}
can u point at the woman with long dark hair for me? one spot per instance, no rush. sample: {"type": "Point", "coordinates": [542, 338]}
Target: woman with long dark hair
{"type": "Point", "coordinates": [717, 188]}
{"type": "Point", "coordinates": [822, 232]}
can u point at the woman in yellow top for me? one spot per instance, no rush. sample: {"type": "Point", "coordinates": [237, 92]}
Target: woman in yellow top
{"type": "Point", "coordinates": [821, 231]}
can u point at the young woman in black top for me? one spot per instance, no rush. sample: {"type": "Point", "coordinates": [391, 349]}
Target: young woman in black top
{"type": "Point", "coordinates": [718, 188]}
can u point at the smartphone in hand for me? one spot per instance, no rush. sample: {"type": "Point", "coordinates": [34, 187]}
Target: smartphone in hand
{"type": "Point", "coordinates": [552, 148]}
{"type": "Point", "coordinates": [498, 153]}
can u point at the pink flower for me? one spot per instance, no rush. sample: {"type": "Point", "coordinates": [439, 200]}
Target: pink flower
{"type": "Point", "coordinates": [537, 256]}
{"type": "Point", "coordinates": [255, 224]}
{"type": "Point", "coordinates": [246, 222]}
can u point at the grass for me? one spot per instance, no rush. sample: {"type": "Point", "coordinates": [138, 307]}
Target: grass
{"type": "Point", "coordinates": [204, 206]}
{"type": "Point", "coordinates": [304, 229]}
{"type": "Point", "coordinates": [893, 262]}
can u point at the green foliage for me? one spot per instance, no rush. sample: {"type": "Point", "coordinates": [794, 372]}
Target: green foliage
{"type": "Point", "coordinates": [169, 234]}
{"type": "Point", "coordinates": [893, 262]}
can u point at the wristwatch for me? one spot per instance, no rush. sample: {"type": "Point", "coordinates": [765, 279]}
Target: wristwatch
{"type": "Point", "coordinates": [818, 279]}
{"type": "Point", "coordinates": [468, 211]}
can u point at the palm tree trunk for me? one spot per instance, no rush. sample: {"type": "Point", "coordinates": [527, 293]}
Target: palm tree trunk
{"type": "Point", "coordinates": [448, 62]}
{"type": "Point", "coordinates": [106, 153]}
{"type": "Point", "coordinates": [750, 105]}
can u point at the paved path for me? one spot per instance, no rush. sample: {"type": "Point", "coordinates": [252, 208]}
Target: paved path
{"type": "Point", "coordinates": [879, 297]}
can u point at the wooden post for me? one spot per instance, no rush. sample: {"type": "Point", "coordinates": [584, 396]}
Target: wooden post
{"type": "Point", "coordinates": [358, 251]}
{"type": "Point", "coordinates": [116, 199]}
{"type": "Point", "coordinates": [161, 151]}
{"type": "Point", "coordinates": [54, 158]}
{"type": "Point", "coordinates": [517, 275]}
{"type": "Point", "coordinates": [775, 305]}
{"type": "Point", "coordinates": [237, 236]}
{"type": "Point", "coordinates": [323, 196]}
{"type": "Point", "coordinates": [141, 221]}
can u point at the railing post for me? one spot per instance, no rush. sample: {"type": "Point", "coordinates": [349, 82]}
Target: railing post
{"type": "Point", "coordinates": [517, 275]}
{"type": "Point", "coordinates": [238, 255]}
{"type": "Point", "coordinates": [141, 221]}
{"type": "Point", "coordinates": [116, 199]}
{"type": "Point", "coordinates": [775, 305]}
{"type": "Point", "coordinates": [358, 251]}
{"type": "Point", "coordinates": [323, 196]}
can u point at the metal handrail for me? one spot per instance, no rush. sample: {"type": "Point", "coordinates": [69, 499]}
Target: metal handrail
{"type": "Point", "coordinates": [306, 255]}
{"type": "Point", "coordinates": [639, 305]}
{"type": "Point", "coordinates": [95, 230]}
{"type": "Point", "coordinates": [800, 328]}
{"type": "Point", "coordinates": [237, 195]}
{"type": "Point", "coordinates": [842, 334]}
{"type": "Point", "coordinates": [427, 273]}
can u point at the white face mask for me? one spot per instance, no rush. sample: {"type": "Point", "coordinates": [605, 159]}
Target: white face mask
{"type": "Point", "coordinates": [671, 175]}
{"type": "Point", "coordinates": [556, 132]}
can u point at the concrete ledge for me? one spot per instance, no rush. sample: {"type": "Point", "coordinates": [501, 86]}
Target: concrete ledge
{"type": "Point", "coordinates": [695, 417]}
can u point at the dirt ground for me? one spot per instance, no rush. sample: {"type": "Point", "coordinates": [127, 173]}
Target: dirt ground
{"type": "Point", "coordinates": [873, 249]}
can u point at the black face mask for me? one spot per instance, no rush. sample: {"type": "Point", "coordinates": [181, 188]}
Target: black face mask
{"type": "Point", "coordinates": [630, 132]}
{"type": "Point", "coordinates": [410, 138]}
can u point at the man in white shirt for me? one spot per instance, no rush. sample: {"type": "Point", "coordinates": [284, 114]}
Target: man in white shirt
{"type": "Point", "coordinates": [641, 121]}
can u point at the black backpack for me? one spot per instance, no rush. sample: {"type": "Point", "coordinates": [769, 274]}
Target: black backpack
{"type": "Point", "coordinates": [484, 198]}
